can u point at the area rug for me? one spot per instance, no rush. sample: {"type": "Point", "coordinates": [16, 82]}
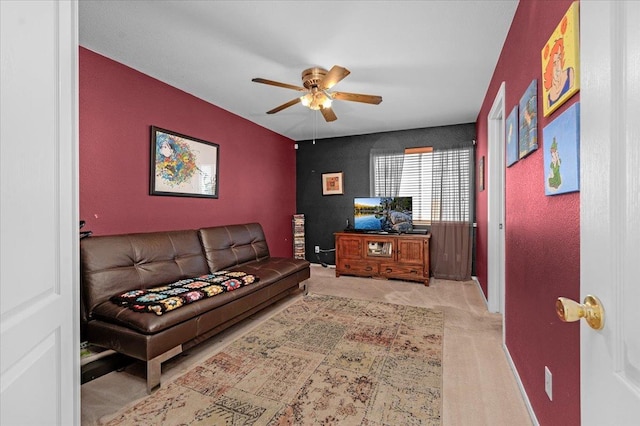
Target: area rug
{"type": "Point", "coordinates": [323, 360]}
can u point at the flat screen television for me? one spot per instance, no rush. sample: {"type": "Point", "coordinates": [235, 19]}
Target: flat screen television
{"type": "Point", "coordinates": [383, 214]}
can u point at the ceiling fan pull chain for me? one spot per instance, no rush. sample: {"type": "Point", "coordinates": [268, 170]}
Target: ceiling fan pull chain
{"type": "Point", "coordinates": [315, 125]}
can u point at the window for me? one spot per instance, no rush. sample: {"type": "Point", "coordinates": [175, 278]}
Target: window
{"type": "Point", "coordinates": [440, 182]}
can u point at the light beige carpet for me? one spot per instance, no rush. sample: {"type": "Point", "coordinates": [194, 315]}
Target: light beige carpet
{"type": "Point", "coordinates": [323, 360]}
{"type": "Point", "coordinates": [479, 387]}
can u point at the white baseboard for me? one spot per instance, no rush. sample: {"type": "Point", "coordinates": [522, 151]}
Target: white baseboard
{"type": "Point", "coordinates": [514, 370]}
{"type": "Point", "coordinates": [484, 297]}
{"type": "Point", "coordinates": [525, 397]}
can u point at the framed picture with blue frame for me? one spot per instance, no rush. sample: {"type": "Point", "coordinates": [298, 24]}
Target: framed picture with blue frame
{"type": "Point", "coordinates": [562, 153]}
{"type": "Point", "coordinates": [511, 133]}
{"type": "Point", "coordinates": [528, 120]}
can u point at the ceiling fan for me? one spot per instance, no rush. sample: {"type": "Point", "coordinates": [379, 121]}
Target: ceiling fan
{"type": "Point", "coordinates": [317, 82]}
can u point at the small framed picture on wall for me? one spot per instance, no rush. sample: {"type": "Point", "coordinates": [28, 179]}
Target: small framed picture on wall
{"type": "Point", "coordinates": [562, 153]}
{"type": "Point", "coordinates": [528, 122]}
{"type": "Point", "coordinates": [511, 132]}
{"type": "Point", "coordinates": [561, 62]}
{"type": "Point", "coordinates": [332, 183]}
{"type": "Point", "coordinates": [481, 174]}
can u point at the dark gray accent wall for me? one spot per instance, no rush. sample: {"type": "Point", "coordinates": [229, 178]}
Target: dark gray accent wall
{"type": "Point", "coordinates": [327, 214]}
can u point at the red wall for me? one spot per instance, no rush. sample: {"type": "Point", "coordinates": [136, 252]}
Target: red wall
{"type": "Point", "coordinates": [542, 232]}
{"type": "Point", "coordinates": [257, 176]}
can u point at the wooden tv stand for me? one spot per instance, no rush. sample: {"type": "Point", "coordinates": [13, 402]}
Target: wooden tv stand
{"type": "Point", "coordinates": [400, 256]}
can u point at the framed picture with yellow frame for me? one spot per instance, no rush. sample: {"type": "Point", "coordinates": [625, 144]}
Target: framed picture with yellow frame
{"type": "Point", "coordinates": [561, 62]}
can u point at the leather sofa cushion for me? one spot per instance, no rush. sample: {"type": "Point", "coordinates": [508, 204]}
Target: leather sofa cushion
{"type": "Point", "coordinates": [232, 245]}
{"type": "Point", "coordinates": [267, 270]}
{"type": "Point", "coordinates": [159, 300]}
{"type": "Point", "coordinates": [113, 264]}
{"type": "Point", "coordinates": [150, 323]}
{"type": "Point", "coordinates": [273, 268]}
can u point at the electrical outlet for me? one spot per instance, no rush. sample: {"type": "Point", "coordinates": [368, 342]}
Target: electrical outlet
{"type": "Point", "coordinates": [548, 383]}
{"type": "Point", "coordinates": [317, 249]}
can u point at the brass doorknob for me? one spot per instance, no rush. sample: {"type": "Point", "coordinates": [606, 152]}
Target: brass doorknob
{"type": "Point", "coordinates": [591, 310]}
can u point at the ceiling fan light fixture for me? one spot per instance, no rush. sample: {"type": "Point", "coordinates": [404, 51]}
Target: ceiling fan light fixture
{"type": "Point", "coordinates": [306, 100]}
{"type": "Point", "coordinates": [317, 96]}
{"type": "Point", "coordinates": [316, 100]}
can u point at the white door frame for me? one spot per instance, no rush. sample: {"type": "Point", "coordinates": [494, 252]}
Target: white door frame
{"type": "Point", "coordinates": [496, 186]}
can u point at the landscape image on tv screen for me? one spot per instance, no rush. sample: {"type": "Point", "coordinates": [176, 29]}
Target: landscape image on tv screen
{"type": "Point", "coordinates": [389, 214]}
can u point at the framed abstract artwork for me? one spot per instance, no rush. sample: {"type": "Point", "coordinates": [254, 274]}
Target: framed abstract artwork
{"type": "Point", "coordinates": [562, 153]}
{"type": "Point", "coordinates": [332, 183]}
{"type": "Point", "coordinates": [561, 62]}
{"type": "Point", "coordinates": [511, 136]}
{"type": "Point", "coordinates": [182, 165]}
{"type": "Point", "coordinates": [528, 121]}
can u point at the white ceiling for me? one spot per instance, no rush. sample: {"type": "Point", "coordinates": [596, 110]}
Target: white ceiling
{"type": "Point", "coordinates": [431, 61]}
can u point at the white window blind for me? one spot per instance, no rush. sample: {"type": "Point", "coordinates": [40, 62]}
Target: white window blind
{"type": "Point", "coordinates": [439, 182]}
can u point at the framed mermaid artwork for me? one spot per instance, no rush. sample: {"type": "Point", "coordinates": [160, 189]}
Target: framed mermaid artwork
{"type": "Point", "coordinates": [561, 62]}
{"type": "Point", "coordinates": [183, 166]}
{"type": "Point", "coordinates": [562, 152]}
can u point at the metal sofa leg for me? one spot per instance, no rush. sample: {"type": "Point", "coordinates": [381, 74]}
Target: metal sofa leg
{"type": "Point", "coordinates": [154, 368]}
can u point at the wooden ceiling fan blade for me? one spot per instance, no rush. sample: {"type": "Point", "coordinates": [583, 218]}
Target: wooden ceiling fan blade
{"type": "Point", "coordinates": [357, 97]}
{"type": "Point", "coordinates": [328, 114]}
{"type": "Point", "coordinates": [283, 106]}
{"type": "Point", "coordinates": [334, 76]}
{"type": "Point", "coordinates": [278, 84]}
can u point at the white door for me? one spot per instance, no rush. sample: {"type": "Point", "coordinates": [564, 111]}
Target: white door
{"type": "Point", "coordinates": [39, 339]}
{"type": "Point", "coordinates": [496, 199]}
{"type": "Point", "coordinates": [610, 210]}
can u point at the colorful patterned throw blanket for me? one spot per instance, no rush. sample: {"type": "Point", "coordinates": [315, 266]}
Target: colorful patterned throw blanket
{"type": "Point", "coordinates": [172, 296]}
